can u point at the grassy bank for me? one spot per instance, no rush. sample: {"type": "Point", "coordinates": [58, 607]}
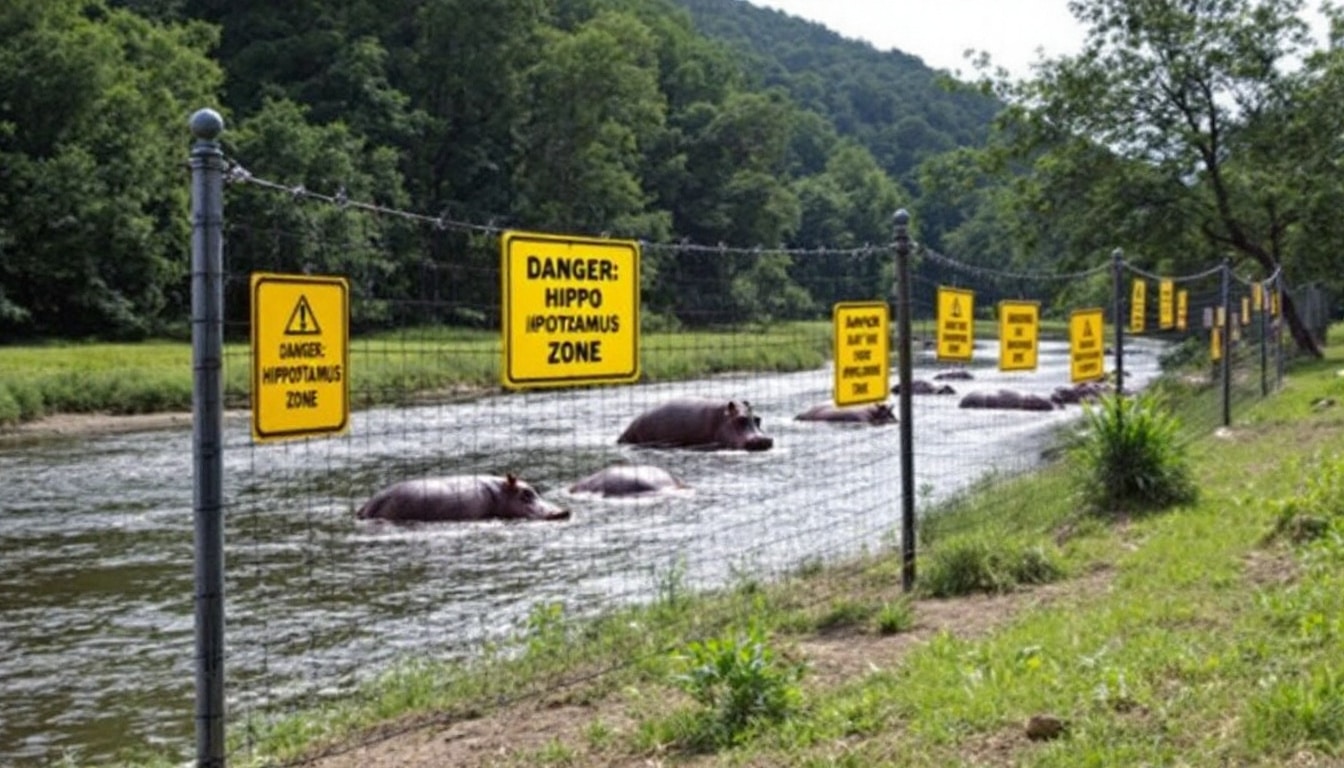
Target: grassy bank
{"type": "Point", "coordinates": [1206, 634]}
{"type": "Point", "coordinates": [419, 364]}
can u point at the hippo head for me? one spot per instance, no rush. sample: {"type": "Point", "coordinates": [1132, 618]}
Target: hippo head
{"type": "Point", "coordinates": [518, 500]}
{"type": "Point", "coordinates": [881, 414]}
{"type": "Point", "coordinates": [741, 429]}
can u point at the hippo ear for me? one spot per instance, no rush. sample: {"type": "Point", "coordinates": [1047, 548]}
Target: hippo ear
{"type": "Point", "coordinates": [512, 480]}
{"type": "Point", "coordinates": [732, 408]}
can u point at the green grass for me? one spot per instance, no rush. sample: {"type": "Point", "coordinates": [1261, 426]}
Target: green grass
{"type": "Point", "coordinates": [416, 365]}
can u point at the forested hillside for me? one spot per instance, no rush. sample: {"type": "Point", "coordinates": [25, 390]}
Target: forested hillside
{"type": "Point", "coordinates": [708, 121]}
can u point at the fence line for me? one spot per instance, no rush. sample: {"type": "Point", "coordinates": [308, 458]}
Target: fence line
{"type": "Point", "coordinates": [322, 603]}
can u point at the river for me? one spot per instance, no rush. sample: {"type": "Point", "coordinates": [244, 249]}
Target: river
{"type": "Point", "coordinates": [96, 538]}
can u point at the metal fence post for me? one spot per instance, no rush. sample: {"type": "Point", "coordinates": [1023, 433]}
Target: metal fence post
{"type": "Point", "coordinates": [907, 426]}
{"type": "Point", "coordinates": [207, 347]}
{"type": "Point", "coordinates": [1227, 342]}
{"type": "Point", "coordinates": [1118, 266]}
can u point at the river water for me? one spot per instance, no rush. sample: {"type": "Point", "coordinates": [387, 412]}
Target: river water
{"type": "Point", "coordinates": [96, 540]}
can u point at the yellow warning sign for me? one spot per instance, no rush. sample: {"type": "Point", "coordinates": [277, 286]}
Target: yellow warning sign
{"type": "Point", "coordinates": [1019, 329]}
{"type": "Point", "coordinates": [1216, 344]}
{"type": "Point", "coordinates": [1086, 348]}
{"type": "Point", "coordinates": [1165, 295]}
{"type": "Point", "coordinates": [300, 356]}
{"type": "Point", "coordinates": [571, 310]}
{"type": "Point", "coordinates": [1138, 307]}
{"type": "Point", "coordinates": [1274, 303]}
{"type": "Point", "coordinates": [1258, 297]}
{"type": "Point", "coordinates": [1245, 310]}
{"type": "Point", "coordinates": [1182, 310]}
{"type": "Point", "coordinates": [862, 352]}
{"type": "Point", "coordinates": [956, 324]}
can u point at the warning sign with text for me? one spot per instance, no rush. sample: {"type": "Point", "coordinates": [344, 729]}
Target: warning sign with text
{"type": "Point", "coordinates": [300, 356]}
{"type": "Point", "coordinates": [1086, 350]}
{"type": "Point", "coordinates": [1182, 310]}
{"type": "Point", "coordinates": [1165, 305]}
{"type": "Point", "coordinates": [571, 310]}
{"type": "Point", "coordinates": [862, 352]}
{"type": "Point", "coordinates": [1019, 328]}
{"type": "Point", "coordinates": [956, 324]}
{"type": "Point", "coordinates": [1138, 305]}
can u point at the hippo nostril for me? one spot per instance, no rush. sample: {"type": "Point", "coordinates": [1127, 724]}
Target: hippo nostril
{"type": "Point", "coordinates": [760, 444]}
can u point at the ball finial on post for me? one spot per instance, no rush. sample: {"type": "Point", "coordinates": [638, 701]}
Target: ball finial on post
{"type": "Point", "coordinates": [206, 124]}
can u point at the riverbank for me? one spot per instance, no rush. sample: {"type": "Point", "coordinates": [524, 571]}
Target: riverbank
{"type": "Point", "coordinates": [1200, 635]}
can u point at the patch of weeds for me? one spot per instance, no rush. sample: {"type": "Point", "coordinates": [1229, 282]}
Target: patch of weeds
{"type": "Point", "coordinates": [844, 613]}
{"type": "Point", "coordinates": [1315, 510]}
{"type": "Point", "coordinates": [740, 682]}
{"type": "Point", "coordinates": [977, 564]}
{"type": "Point", "coordinates": [1131, 456]}
{"type": "Point", "coordinates": [895, 617]}
{"type": "Point", "coordinates": [555, 753]}
{"type": "Point", "coordinates": [1303, 712]}
{"type": "Point", "coordinates": [599, 735]}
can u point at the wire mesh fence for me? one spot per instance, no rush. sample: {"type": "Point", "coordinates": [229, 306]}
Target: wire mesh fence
{"type": "Point", "coordinates": [322, 603]}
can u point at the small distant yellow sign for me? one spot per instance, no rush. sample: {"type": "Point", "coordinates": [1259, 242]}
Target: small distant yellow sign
{"type": "Point", "coordinates": [862, 352]}
{"type": "Point", "coordinates": [1216, 344]}
{"type": "Point", "coordinates": [571, 310]}
{"type": "Point", "coordinates": [1086, 349]}
{"type": "Point", "coordinates": [300, 356]}
{"type": "Point", "coordinates": [956, 324]}
{"type": "Point", "coordinates": [1245, 310]}
{"type": "Point", "coordinates": [1258, 297]}
{"type": "Point", "coordinates": [1182, 310]}
{"type": "Point", "coordinates": [1274, 303]}
{"type": "Point", "coordinates": [1165, 314]}
{"type": "Point", "coordinates": [1138, 306]}
{"type": "Point", "coordinates": [1019, 330]}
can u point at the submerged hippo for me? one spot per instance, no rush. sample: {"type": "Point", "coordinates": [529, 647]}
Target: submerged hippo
{"type": "Point", "coordinates": [922, 387]}
{"type": "Point", "coordinates": [1007, 399]}
{"type": "Point", "coordinates": [956, 374]}
{"type": "Point", "coordinates": [700, 423]}
{"type": "Point", "coordinates": [1078, 393]}
{"type": "Point", "coordinates": [875, 414]}
{"type": "Point", "coordinates": [628, 480]}
{"type": "Point", "coordinates": [461, 497]}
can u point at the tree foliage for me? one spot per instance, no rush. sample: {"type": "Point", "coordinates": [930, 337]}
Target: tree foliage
{"type": "Point", "coordinates": [1174, 120]}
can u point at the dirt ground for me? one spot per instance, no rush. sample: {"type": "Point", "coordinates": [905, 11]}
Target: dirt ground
{"type": "Point", "coordinates": [510, 736]}
{"type": "Point", "coordinates": [67, 425]}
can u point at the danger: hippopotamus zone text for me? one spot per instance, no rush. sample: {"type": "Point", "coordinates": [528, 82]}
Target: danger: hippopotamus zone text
{"type": "Point", "coordinates": [572, 297]}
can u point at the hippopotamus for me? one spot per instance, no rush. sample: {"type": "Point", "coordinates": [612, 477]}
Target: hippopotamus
{"type": "Point", "coordinates": [958, 374]}
{"type": "Point", "coordinates": [628, 480]}
{"type": "Point", "coordinates": [701, 423]}
{"type": "Point", "coordinates": [461, 497]}
{"type": "Point", "coordinates": [875, 414]}
{"type": "Point", "coordinates": [922, 387]}
{"type": "Point", "coordinates": [1006, 399]}
{"type": "Point", "coordinates": [1078, 393]}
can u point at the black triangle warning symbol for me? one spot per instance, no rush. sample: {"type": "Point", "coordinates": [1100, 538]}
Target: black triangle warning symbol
{"type": "Point", "coordinates": [1087, 330]}
{"type": "Point", "coordinates": [956, 309]}
{"type": "Point", "coordinates": [302, 321]}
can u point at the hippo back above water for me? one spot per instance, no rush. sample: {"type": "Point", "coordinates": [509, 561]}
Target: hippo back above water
{"type": "Point", "coordinates": [875, 414]}
{"type": "Point", "coordinates": [461, 497]}
{"type": "Point", "coordinates": [1007, 399]}
{"type": "Point", "coordinates": [699, 423]}
{"type": "Point", "coordinates": [628, 480]}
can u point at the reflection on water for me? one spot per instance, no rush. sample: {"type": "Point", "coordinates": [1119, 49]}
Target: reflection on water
{"type": "Point", "coordinates": [96, 579]}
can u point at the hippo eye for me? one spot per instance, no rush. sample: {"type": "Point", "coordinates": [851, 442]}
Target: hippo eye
{"type": "Point", "coordinates": [528, 496]}
{"type": "Point", "coordinates": [756, 421]}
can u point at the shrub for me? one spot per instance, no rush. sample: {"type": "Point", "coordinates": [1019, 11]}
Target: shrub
{"type": "Point", "coordinates": [1131, 456]}
{"type": "Point", "coordinates": [739, 681]}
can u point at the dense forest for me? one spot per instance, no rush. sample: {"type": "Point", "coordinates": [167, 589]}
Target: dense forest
{"type": "Point", "coordinates": [672, 121]}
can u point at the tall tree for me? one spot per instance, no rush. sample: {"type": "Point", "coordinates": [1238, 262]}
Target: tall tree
{"type": "Point", "coordinates": [1175, 87]}
{"type": "Point", "coordinates": [93, 208]}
